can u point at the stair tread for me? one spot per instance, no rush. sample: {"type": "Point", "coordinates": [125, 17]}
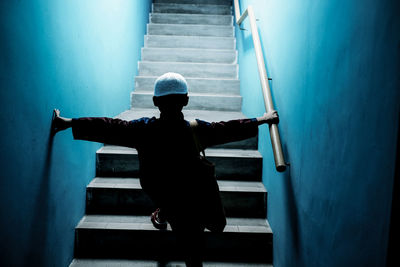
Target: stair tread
{"type": "Point", "coordinates": [191, 55]}
{"type": "Point", "coordinates": [189, 69]}
{"type": "Point", "coordinates": [190, 29]}
{"type": "Point", "coordinates": [190, 49]}
{"type": "Point", "coordinates": [194, 2]}
{"type": "Point", "coordinates": [188, 79]}
{"type": "Point", "coordinates": [189, 41]}
{"type": "Point", "coordinates": [188, 15]}
{"type": "Point", "coordinates": [149, 263]}
{"type": "Point", "coordinates": [185, 15]}
{"type": "Point", "coordinates": [210, 152]}
{"type": "Point", "coordinates": [211, 6]}
{"type": "Point", "coordinates": [192, 80]}
{"type": "Point", "coordinates": [198, 85]}
{"type": "Point", "coordinates": [134, 183]}
{"type": "Point", "coordinates": [195, 78]}
{"type": "Point", "coordinates": [192, 9]}
{"type": "Point", "coordinates": [131, 222]}
{"type": "Point", "coordinates": [192, 37]}
{"type": "Point", "coordinates": [147, 92]}
{"type": "Point", "coordinates": [190, 63]}
{"type": "Point", "coordinates": [178, 25]}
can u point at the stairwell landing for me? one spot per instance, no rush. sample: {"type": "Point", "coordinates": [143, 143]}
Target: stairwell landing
{"type": "Point", "coordinates": [194, 38]}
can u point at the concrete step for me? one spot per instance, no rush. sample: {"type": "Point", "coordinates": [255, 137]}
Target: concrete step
{"type": "Point", "coordinates": [189, 42]}
{"type": "Point", "coordinates": [176, 18]}
{"type": "Point", "coordinates": [196, 2]}
{"type": "Point", "coordinates": [231, 164]}
{"type": "Point", "coordinates": [144, 99]}
{"type": "Point", "coordinates": [149, 263]}
{"type": "Point", "coordinates": [134, 237]}
{"type": "Point", "coordinates": [190, 30]}
{"type": "Point", "coordinates": [189, 55]}
{"type": "Point", "coordinates": [192, 9]}
{"type": "Point", "coordinates": [109, 195]}
{"type": "Point", "coordinates": [190, 115]}
{"type": "Point", "coordinates": [189, 70]}
{"type": "Point", "coordinates": [196, 85]}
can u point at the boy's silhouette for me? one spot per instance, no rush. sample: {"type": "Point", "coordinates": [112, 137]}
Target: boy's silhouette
{"type": "Point", "coordinates": [168, 150]}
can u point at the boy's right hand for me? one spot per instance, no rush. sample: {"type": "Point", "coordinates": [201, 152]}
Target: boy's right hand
{"type": "Point", "coordinates": [270, 117]}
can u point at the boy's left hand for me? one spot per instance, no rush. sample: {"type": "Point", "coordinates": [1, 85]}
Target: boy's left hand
{"type": "Point", "coordinates": [60, 123]}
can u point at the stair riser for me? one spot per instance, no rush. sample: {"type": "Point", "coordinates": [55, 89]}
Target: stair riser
{"type": "Point", "coordinates": [189, 42]}
{"type": "Point", "coordinates": [191, 19]}
{"type": "Point", "coordinates": [189, 55]}
{"type": "Point", "coordinates": [195, 70]}
{"type": "Point", "coordinates": [214, 86]}
{"type": "Point", "coordinates": [196, 2]}
{"type": "Point", "coordinates": [135, 201]}
{"type": "Point", "coordinates": [127, 165]}
{"type": "Point", "coordinates": [251, 143]}
{"type": "Point", "coordinates": [238, 168]}
{"type": "Point", "coordinates": [150, 263]}
{"type": "Point", "coordinates": [192, 9]}
{"type": "Point", "coordinates": [131, 244]}
{"type": "Point", "coordinates": [190, 30]}
{"type": "Point", "coordinates": [219, 103]}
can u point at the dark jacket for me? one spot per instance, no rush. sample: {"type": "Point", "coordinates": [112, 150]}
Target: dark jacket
{"type": "Point", "coordinates": [166, 151]}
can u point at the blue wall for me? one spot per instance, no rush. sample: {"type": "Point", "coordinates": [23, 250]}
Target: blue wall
{"type": "Point", "coordinates": [335, 70]}
{"type": "Point", "coordinates": [78, 56]}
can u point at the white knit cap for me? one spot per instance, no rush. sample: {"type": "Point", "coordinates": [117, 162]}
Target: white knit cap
{"type": "Point", "coordinates": [170, 83]}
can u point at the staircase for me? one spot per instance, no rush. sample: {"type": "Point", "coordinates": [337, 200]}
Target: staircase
{"type": "Point", "coordinates": [194, 38]}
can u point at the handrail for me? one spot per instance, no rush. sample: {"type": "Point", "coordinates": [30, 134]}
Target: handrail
{"type": "Point", "coordinates": [273, 128]}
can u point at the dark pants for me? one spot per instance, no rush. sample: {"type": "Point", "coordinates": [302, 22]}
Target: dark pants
{"type": "Point", "coordinates": [185, 219]}
{"type": "Point", "coordinates": [191, 242]}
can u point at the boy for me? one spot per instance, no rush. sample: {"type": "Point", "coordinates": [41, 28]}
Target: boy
{"type": "Point", "coordinates": [168, 149]}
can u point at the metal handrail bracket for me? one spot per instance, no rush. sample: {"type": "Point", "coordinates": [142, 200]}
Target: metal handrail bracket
{"type": "Point", "coordinates": [280, 163]}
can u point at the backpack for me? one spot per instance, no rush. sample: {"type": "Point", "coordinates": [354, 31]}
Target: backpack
{"type": "Point", "coordinates": [210, 204]}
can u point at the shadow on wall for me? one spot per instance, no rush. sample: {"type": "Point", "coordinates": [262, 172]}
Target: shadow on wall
{"type": "Point", "coordinates": [246, 36]}
{"type": "Point", "coordinates": [291, 208]}
{"type": "Point", "coordinates": [393, 259]}
{"type": "Point", "coordinates": [39, 229]}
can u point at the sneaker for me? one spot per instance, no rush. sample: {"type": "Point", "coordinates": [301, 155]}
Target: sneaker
{"type": "Point", "coordinates": [157, 222]}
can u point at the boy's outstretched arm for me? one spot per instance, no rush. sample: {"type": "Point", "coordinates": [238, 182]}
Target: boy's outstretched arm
{"type": "Point", "coordinates": [100, 129]}
{"type": "Point", "coordinates": [216, 133]}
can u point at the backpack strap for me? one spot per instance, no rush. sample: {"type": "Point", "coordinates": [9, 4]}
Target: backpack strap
{"type": "Point", "coordinates": [193, 125]}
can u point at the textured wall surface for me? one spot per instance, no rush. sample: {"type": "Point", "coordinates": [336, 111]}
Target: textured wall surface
{"type": "Point", "coordinates": [80, 57]}
{"type": "Point", "coordinates": [335, 70]}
